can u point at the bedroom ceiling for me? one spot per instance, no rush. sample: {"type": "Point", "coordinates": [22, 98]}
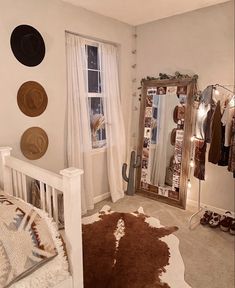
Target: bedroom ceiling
{"type": "Point", "coordinates": [136, 12]}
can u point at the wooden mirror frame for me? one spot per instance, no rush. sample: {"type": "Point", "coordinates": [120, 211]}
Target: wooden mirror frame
{"type": "Point", "coordinates": [190, 82]}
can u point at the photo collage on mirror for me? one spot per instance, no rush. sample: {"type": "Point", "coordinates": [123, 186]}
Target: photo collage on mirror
{"type": "Point", "coordinates": [178, 116]}
{"type": "Point", "coordinates": [151, 136]}
{"type": "Point", "coordinates": [178, 160]}
{"type": "Point", "coordinates": [182, 94]}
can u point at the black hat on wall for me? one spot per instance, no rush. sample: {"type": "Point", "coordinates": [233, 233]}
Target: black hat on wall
{"type": "Point", "coordinates": [27, 45]}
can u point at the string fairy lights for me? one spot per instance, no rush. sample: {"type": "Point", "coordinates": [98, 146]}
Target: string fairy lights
{"type": "Point", "coordinates": [191, 163]}
{"type": "Point", "coordinates": [192, 138]}
{"type": "Point", "coordinates": [189, 184]}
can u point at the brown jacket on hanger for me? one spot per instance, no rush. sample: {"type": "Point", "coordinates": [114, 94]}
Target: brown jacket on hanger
{"type": "Point", "coordinates": [231, 163]}
{"type": "Point", "coordinates": [216, 136]}
{"type": "Point", "coordinates": [200, 158]}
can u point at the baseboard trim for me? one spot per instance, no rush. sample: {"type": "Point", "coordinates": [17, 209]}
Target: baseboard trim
{"type": "Point", "coordinates": [190, 202]}
{"type": "Point", "coordinates": [101, 197]}
{"type": "Point", "coordinates": [220, 211]}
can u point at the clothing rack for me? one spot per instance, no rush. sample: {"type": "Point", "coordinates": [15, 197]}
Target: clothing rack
{"type": "Point", "coordinates": [224, 87]}
{"type": "Point", "coordinates": [199, 208]}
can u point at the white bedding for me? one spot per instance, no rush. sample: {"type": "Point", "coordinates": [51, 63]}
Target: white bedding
{"type": "Point", "coordinates": [53, 272]}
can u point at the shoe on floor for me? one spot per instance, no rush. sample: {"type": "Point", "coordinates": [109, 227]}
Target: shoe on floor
{"type": "Point", "coordinates": [232, 227]}
{"type": "Point", "coordinates": [226, 221]}
{"type": "Point", "coordinates": [215, 220]}
{"type": "Point", "coordinates": [206, 217]}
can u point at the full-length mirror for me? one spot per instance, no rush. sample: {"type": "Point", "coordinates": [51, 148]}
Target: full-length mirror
{"type": "Point", "coordinates": [165, 128]}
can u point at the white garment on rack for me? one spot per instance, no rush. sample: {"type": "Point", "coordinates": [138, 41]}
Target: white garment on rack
{"type": "Point", "coordinates": [200, 119]}
{"type": "Point", "coordinates": [226, 120]}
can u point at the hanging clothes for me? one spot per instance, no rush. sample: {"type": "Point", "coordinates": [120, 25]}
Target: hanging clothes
{"type": "Point", "coordinates": [207, 122]}
{"type": "Point", "coordinates": [207, 94]}
{"type": "Point", "coordinates": [202, 128]}
{"type": "Point", "coordinates": [201, 119]}
{"type": "Point", "coordinates": [226, 120]}
{"type": "Point", "coordinates": [231, 162]}
{"type": "Point", "coordinates": [199, 159]}
{"type": "Point", "coordinates": [207, 99]}
{"type": "Point", "coordinates": [216, 136]}
{"type": "Point", "coordinates": [224, 153]}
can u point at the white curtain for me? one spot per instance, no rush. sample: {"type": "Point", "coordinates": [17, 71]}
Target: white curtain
{"type": "Point", "coordinates": [159, 157]}
{"type": "Point", "coordinates": [78, 136]}
{"type": "Point", "coordinates": [79, 148]}
{"type": "Point", "coordinates": [116, 143]}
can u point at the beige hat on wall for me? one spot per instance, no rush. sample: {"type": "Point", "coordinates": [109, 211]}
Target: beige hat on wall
{"type": "Point", "coordinates": [32, 98]}
{"type": "Point", "coordinates": [34, 143]}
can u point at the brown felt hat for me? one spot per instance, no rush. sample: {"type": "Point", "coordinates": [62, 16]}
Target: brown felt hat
{"type": "Point", "coordinates": [175, 114]}
{"type": "Point", "coordinates": [178, 113]}
{"type": "Point", "coordinates": [173, 136]}
{"type": "Point", "coordinates": [32, 98]}
{"type": "Point", "coordinates": [34, 143]}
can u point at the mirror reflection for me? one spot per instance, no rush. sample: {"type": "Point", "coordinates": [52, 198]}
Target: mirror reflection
{"type": "Point", "coordinates": [163, 139]}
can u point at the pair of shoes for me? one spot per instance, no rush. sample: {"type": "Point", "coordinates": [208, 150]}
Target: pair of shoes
{"type": "Point", "coordinates": [211, 218]}
{"type": "Point", "coordinates": [206, 217]}
{"type": "Point", "coordinates": [226, 221]}
{"type": "Point", "coordinates": [214, 220]}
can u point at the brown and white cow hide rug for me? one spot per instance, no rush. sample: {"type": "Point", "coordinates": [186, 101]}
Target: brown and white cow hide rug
{"type": "Point", "coordinates": [130, 250]}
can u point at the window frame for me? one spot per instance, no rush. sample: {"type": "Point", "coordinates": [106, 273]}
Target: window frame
{"type": "Point", "coordinates": [98, 94]}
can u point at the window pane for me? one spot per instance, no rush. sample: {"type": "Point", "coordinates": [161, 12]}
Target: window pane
{"type": "Point", "coordinates": [92, 53]}
{"type": "Point", "coordinates": [97, 120]}
{"type": "Point", "coordinates": [94, 82]}
{"type": "Point", "coordinates": [99, 82]}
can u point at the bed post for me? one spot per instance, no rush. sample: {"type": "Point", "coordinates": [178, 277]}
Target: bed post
{"type": "Point", "coordinates": [5, 172]}
{"type": "Point", "coordinates": [72, 218]}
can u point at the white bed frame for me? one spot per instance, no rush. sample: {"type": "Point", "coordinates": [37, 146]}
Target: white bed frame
{"type": "Point", "coordinates": [15, 174]}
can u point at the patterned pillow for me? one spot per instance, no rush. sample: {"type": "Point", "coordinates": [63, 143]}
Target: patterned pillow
{"type": "Point", "coordinates": [25, 240]}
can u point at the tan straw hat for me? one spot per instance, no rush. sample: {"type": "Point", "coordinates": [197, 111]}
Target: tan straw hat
{"type": "Point", "coordinates": [34, 143]}
{"type": "Point", "coordinates": [32, 98]}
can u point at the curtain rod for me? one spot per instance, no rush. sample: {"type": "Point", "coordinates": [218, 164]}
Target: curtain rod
{"type": "Point", "coordinates": [97, 40]}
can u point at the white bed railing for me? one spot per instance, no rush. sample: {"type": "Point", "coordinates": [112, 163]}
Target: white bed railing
{"type": "Point", "coordinates": [14, 175]}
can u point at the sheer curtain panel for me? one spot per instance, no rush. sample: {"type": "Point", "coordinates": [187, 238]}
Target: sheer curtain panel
{"type": "Point", "coordinates": [116, 144]}
{"type": "Point", "coordinates": [78, 148]}
{"type": "Point", "coordinates": [79, 140]}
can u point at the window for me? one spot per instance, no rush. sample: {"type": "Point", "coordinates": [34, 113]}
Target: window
{"type": "Point", "coordinates": [95, 97]}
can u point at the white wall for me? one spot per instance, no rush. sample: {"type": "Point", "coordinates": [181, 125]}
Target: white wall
{"type": "Point", "coordinates": [200, 42]}
{"type": "Point", "coordinates": [52, 18]}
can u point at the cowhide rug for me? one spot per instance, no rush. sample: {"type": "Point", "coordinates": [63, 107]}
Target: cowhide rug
{"type": "Point", "coordinates": [130, 250]}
